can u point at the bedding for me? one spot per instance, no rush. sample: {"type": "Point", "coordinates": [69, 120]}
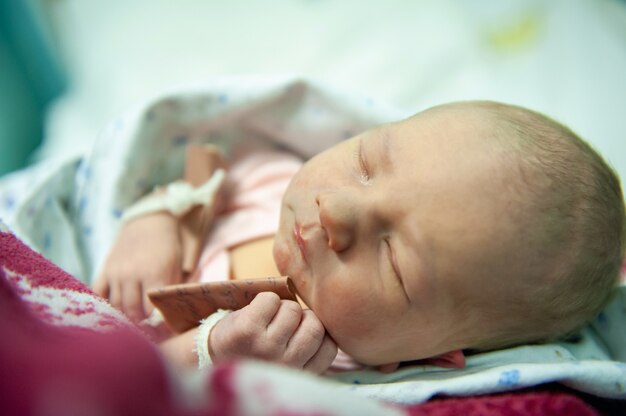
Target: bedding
{"type": "Point", "coordinates": [69, 211]}
{"type": "Point", "coordinates": [66, 351]}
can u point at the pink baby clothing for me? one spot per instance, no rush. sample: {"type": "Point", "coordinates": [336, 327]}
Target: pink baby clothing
{"type": "Point", "coordinates": [254, 186]}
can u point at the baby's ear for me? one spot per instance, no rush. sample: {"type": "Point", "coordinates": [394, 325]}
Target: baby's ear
{"type": "Point", "coordinates": [452, 359]}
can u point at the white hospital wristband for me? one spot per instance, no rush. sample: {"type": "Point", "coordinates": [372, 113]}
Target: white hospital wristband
{"type": "Point", "coordinates": [202, 337]}
{"type": "Point", "coordinates": [179, 197]}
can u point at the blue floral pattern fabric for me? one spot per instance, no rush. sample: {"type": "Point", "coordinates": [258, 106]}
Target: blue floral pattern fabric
{"type": "Point", "coordinates": [70, 210]}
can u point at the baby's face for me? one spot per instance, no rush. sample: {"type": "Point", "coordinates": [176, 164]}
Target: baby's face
{"type": "Point", "coordinates": [385, 234]}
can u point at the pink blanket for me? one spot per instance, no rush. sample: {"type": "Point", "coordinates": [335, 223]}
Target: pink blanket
{"type": "Point", "coordinates": [64, 351]}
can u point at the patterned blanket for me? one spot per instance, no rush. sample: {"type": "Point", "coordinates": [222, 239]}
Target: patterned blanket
{"type": "Point", "coordinates": [64, 351]}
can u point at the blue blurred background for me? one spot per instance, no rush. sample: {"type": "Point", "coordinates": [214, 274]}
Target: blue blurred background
{"type": "Point", "coordinates": [30, 78]}
{"type": "Point", "coordinates": [67, 67]}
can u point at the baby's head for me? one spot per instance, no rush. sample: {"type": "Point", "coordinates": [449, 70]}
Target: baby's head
{"type": "Point", "coordinates": [470, 225]}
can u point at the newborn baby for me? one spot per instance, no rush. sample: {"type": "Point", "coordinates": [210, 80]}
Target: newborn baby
{"type": "Point", "coordinates": [472, 225]}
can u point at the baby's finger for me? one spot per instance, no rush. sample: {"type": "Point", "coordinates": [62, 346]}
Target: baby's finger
{"type": "Point", "coordinates": [132, 301]}
{"type": "Point", "coordinates": [148, 307]}
{"type": "Point", "coordinates": [115, 295]}
{"type": "Point", "coordinates": [323, 358]}
{"type": "Point", "coordinates": [101, 287]}
{"type": "Point", "coordinates": [285, 322]}
{"type": "Point", "coordinates": [262, 309]}
{"type": "Point", "coordinates": [306, 340]}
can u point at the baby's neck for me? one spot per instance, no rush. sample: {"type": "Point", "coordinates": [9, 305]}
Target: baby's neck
{"type": "Point", "coordinates": [253, 259]}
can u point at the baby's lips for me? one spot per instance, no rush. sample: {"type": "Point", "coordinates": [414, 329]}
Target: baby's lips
{"type": "Point", "coordinates": [184, 305]}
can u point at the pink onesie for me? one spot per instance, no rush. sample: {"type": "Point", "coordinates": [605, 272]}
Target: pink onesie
{"type": "Point", "coordinates": [255, 184]}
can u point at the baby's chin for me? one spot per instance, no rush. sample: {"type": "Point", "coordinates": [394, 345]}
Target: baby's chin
{"type": "Point", "coordinates": [370, 357]}
{"type": "Point", "coordinates": [364, 355]}
{"type": "Point", "coordinates": [372, 350]}
{"type": "Point", "coordinates": [281, 256]}
{"type": "Point", "coordinates": [286, 266]}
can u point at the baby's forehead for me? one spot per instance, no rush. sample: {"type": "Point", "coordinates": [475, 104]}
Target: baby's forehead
{"type": "Point", "coordinates": [446, 132]}
{"type": "Point", "coordinates": [458, 117]}
{"type": "Point", "coordinates": [449, 109]}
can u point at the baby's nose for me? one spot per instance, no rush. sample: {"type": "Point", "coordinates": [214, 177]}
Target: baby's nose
{"type": "Point", "coordinates": [338, 219]}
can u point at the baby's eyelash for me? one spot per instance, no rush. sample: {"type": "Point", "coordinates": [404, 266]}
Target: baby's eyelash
{"type": "Point", "coordinates": [390, 259]}
{"type": "Point", "coordinates": [394, 270]}
{"type": "Point", "coordinates": [363, 168]}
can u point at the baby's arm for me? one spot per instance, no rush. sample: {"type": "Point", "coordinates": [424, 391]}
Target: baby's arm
{"type": "Point", "coordinates": [268, 329]}
{"type": "Point", "coordinates": [147, 254]}
{"type": "Point", "coordinates": [162, 235]}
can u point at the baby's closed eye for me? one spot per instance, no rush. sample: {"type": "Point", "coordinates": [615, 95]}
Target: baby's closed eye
{"type": "Point", "coordinates": [362, 167]}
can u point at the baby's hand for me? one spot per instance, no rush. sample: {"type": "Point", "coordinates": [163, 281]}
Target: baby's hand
{"type": "Point", "coordinates": [274, 330]}
{"type": "Point", "coordinates": [147, 254]}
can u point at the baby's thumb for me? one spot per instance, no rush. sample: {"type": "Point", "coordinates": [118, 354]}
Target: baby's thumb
{"type": "Point", "coordinates": [148, 307]}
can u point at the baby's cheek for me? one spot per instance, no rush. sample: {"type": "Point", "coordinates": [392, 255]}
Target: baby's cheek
{"type": "Point", "coordinates": [281, 256]}
{"type": "Point", "coordinates": [347, 317]}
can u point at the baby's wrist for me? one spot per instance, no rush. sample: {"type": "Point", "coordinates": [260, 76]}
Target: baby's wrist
{"type": "Point", "coordinates": [177, 198]}
{"type": "Point", "coordinates": [203, 348]}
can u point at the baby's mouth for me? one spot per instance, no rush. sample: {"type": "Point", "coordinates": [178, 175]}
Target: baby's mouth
{"type": "Point", "coordinates": [302, 245]}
